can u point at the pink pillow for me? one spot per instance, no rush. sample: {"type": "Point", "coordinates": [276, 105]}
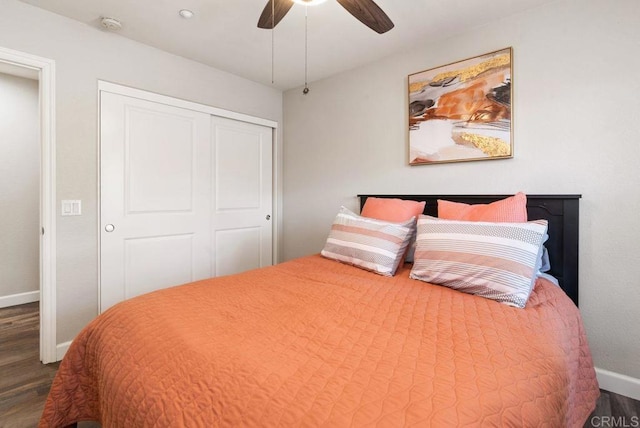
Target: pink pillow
{"type": "Point", "coordinates": [509, 210]}
{"type": "Point", "coordinates": [396, 210]}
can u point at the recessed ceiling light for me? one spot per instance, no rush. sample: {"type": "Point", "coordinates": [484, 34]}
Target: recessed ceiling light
{"type": "Point", "coordinates": [309, 2]}
{"type": "Point", "coordinates": [186, 13]}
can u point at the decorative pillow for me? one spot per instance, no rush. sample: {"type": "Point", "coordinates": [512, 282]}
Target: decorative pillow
{"type": "Point", "coordinates": [510, 210]}
{"type": "Point", "coordinates": [368, 243]}
{"type": "Point", "coordinates": [545, 263]}
{"type": "Point", "coordinates": [411, 251]}
{"type": "Point", "coordinates": [393, 209]}
{"type": "Point", "coordinates": [497, 261]}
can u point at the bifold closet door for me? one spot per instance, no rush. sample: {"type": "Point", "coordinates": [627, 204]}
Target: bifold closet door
{"type": "Point", "coordinates": [155, 197]}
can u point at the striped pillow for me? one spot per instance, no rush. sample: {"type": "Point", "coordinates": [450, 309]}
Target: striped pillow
{"type": "Point", "coordinates": [368, 243]}
{"type": "Point", "coordinates": [498, 261]}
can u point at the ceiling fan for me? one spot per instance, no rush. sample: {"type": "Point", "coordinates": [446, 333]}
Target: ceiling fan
{"type": "Point", "coordinates": [366, 11]}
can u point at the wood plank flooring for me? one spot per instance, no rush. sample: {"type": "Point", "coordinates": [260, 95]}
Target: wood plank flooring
{"type": "Point", "coordinates": [614, 410]}
{"type": "Point", "coordinates": [25, 382]}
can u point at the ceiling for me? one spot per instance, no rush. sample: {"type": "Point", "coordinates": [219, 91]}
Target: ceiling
{"type": "Point", "coordinates": [224, 34]}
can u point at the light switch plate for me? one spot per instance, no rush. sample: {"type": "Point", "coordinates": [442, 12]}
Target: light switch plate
{"type": "Point", "coordinates": [71, 207]}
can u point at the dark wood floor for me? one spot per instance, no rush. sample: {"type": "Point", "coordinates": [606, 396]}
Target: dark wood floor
{"type": "Point", "coordinates": [25, 382]}
{"type": "Point", "coordinates": [613, 410]}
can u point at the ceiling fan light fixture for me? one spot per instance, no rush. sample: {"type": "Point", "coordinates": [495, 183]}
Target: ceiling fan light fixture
{"type": "Point", "coordinates": [309, 2]}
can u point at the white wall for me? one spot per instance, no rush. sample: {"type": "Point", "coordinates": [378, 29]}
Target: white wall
{"type": "Point", "coordinates": [19, 186]}
{"type": "Point", "coordinates": [576, 124]}
{"type": "Point", "coordinates": [83, 55]}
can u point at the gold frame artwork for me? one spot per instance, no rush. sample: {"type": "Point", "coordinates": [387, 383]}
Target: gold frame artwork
{"type": "Point", "coordinates": [462, 111]}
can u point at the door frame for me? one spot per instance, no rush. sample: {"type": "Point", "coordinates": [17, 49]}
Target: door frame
{"type": "Point", "coordinates": [104, 86]}
{"type": "Point", "coordinates": [46, 87]}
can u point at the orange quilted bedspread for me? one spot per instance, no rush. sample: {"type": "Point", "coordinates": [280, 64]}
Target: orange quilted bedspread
{"type": "Point", "coordinates": [312, 342]}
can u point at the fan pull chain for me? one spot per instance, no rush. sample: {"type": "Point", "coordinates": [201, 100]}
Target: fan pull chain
{"type": "Point", "coordinates": [306, 49]}
{"type": "Point", "coordinates": [273, 44]}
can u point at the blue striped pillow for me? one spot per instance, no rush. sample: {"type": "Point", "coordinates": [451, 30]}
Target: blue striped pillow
{"type": "Point", "coordinates": [367, 243]}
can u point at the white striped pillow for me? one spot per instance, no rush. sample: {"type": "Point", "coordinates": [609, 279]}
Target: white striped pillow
{"type": "Point", "coordinates": [368, 243]}
{"type": "Point", "coordinates": [498, 261]}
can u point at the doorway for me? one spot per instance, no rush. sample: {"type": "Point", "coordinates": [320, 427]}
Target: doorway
{"type": "Point", "coordinates": [19, 187]}
{"type": "Point", "coordinates": [42, 69]}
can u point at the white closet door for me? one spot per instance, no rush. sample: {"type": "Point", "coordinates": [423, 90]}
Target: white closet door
{"type": "Point", "coordinates": [155, 197]}
{"type": "Point", "coordinates": [242, 196]}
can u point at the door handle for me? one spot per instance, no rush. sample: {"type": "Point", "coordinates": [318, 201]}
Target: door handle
{"type": "Point", "coordinates": [109, 228]}
{"type": "Point", "coordinates": [268, 217]}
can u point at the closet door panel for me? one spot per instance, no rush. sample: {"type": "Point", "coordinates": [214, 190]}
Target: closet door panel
{"type": "Point", "coordinates": [155, 177]}
{"type": "Point", "coordinates": [242, 193]}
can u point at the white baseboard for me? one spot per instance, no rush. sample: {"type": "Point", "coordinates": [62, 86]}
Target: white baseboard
{"type": "Point", "coordinates": [619, 383]}
{"type": "Point", "coordinates": [19, 299]}
{"type": "Point", "coordinates": [61, 349]}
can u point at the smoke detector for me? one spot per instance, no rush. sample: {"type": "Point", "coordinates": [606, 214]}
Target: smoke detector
{"type": "Point", "coordinates": [110, 24]}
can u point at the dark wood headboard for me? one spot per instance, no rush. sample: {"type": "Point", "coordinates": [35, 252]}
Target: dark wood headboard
{"type": "Point", "coordinates": [561, 211]}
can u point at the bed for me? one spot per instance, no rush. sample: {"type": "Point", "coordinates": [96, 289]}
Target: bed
{"type": "Point", "coordinates": [314, 342]}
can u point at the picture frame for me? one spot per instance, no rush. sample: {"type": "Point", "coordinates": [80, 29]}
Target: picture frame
{"type": "Point", "coordinates": [462, 111]}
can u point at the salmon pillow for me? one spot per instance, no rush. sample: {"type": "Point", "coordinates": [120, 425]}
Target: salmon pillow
{"type": "Point", "coordinates": [396, 210]}
{"type": "Point", "coordinates": [509, 210]}
{"type": "Point", "coordinates": [389, 209]}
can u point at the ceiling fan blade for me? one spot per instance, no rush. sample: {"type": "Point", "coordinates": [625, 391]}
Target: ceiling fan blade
{"type": "Point", "coordinates": [369, 13]}
{"type": "Point", "coordinates": [280, 7]}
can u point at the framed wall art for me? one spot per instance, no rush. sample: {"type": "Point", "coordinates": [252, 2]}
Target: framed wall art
{"type": "Point", "coordinates": [462, 111]}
